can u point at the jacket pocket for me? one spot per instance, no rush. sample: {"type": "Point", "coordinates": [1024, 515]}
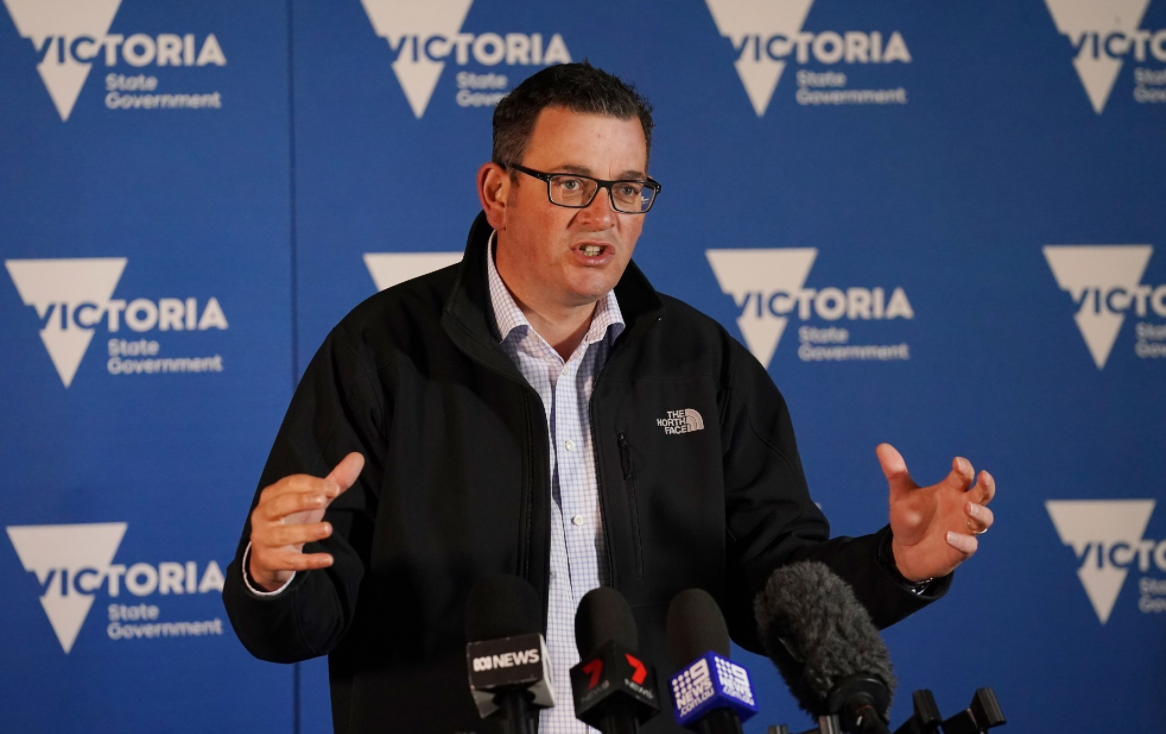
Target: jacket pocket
{"type": "Point", "coordinates": [629, 481]}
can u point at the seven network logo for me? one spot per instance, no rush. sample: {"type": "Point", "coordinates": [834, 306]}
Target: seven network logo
{"type": "Point", "coordinates": [74, 297]}
{"type": "Point", "coordinates": [1108, 538]}
{"type": "Point", "coordinates": [768, 288]}
{"type": "Point", "coordinates": [1103, 36]}
{"type": "Point", "coordinates": [767, 34]}
{"type": "Point", "coordinates": [70, 37]}
{"type": "Point", "coordinates": [74, 563]}
{"type": "Point", "coordinates": [424, 35]}
{"type": "Point", "coordinates": [1104, 282]}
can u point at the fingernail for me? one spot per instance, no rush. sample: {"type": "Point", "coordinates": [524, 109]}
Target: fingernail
{"type": "Point", "coordinates": [327, 528]}
{"type": "Point", "coordinates": [973, 509]}
{"type": "Point", "coordinates": [950, 536]}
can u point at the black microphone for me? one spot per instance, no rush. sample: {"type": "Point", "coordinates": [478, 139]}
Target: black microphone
{"type": "Point", "coordinates": [510, 673]}
{"type": "Point", "coordinates": [825, 646]}
{"type": "Point", "coordinates": [710, 694]}
{"type": "Point", "coordinates": [614, 690]}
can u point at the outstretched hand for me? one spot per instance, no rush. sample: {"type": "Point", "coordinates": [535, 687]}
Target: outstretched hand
{"type": "Point", "coordinates": [289, 514]}
{"type": "Point", "coordinates": [935, 527]}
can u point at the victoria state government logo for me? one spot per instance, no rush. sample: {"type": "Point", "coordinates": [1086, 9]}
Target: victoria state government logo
{"type": "Point", "coordinates": [73, 299]}
{"type": "Point", "coordinates": [68, 38]}
{"type": "Point", "coordinates": [1104, 35]}
{"type": "Point", "coordinates": [767, 35]}
{"type": "Point", "coordinates": [768, 288]}
{"type": "Point", "coordinates": [1108, 537]}
{"type": "Point", "coordinates": [1105, 283]}
{"type": "Point", "coordinates": [423, 36]}
{"type": "Point", "coordinates": [73, 565]}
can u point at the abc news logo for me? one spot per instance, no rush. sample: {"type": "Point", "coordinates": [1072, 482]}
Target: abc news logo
{"type": "Point", "coordinates": [506, 660]}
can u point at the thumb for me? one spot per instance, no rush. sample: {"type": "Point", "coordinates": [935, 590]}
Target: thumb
{"type": "Point", "coordinates": [894, 469]}
{"type": "Point", "coordinates": [347, 471]}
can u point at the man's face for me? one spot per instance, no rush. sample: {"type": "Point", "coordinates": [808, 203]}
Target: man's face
{"type": "Point", "coordinates": [541, 245]}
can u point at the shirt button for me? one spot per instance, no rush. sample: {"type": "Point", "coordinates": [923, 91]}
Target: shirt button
{"type": "Point", "coordinates": [569, 444]}
{"type": "Point", "coordinates": [578, 520]}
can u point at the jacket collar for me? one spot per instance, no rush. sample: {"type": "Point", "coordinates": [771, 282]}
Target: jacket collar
{"type": "Point", "coordinates": [469, 320]}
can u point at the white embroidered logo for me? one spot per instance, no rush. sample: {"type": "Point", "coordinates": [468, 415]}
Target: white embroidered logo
{"type": "Point", "coordinates": [681, 421]}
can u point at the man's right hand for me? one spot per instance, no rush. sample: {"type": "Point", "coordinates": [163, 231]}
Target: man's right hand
{"type": "Point", "coordinates": [288, 515]}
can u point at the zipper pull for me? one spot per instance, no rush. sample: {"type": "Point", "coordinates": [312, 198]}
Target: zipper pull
{"type": "Point", "coordinates": [625, 456]}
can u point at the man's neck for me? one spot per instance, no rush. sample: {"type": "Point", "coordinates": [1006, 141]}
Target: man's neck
{"type": "Point", "coordinates": [562, 326]}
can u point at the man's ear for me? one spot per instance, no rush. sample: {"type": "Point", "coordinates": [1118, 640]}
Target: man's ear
{"type": "Point", "coordinates": [494, 191]}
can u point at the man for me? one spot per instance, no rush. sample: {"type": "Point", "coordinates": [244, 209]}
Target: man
{"type": "Point", "coordinates": [501, 416]}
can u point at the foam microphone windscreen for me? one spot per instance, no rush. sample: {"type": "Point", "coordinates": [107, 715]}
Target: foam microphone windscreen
{"type": "Point", "coordinates": [502, 606]}
{"type": "Point", "coordinates": [604, 616]}
{"type": "Point", "coordinates": [695, 627]}
{"type": "Point", "coordinates": [818, 634]}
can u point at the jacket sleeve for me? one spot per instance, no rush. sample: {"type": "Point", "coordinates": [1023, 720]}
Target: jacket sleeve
{"type": "Point", "coordinates": [771, 520]}
{"type": "Point", "coordinates": [337, 408]}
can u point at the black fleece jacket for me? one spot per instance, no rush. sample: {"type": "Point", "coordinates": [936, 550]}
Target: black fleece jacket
{"type": "Point", "coordinates": [456, 487]}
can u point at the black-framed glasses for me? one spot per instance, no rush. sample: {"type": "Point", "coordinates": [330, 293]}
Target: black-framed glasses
{"type": "Point", "coordinates": [576, 191]}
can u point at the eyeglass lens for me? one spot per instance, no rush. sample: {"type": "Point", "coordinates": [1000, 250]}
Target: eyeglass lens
{"type": "Point", "coordinates": [576, 191]}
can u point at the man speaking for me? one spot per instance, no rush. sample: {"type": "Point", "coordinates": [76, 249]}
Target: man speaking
{"type": "Point", "coordinates": [540, 410]}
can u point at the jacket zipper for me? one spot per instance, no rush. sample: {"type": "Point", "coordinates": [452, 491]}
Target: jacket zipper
{"type": "Point", "coordinates": [629, 477]}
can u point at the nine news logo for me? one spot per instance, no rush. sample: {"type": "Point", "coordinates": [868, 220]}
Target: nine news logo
{"type": "Point", "coordinates": [768, 288]}
{"type": "Point", "coordinates": [424, 36]}
{"type": "Point", "coordinates": [1105, 283]}
{"type": "Point", "coordinates": [73, 299]}
{"type": "Point", "coordinates": [1108, 537]}
{"type": "Point", "coordinates": [67, 38]}
{"type": "Point", "coordinates": [767, 35]}
{"type": "Point", "coordinates": [1104, 35]}
{"type": "Point", "coordinates": [74, 564]}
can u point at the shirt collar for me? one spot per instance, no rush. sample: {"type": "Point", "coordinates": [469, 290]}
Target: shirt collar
{"type": "Point", "coordinates": [510, 317]}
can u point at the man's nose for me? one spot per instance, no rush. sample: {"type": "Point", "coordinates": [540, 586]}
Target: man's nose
{"type": "Point", "coordinates": [599, 214]}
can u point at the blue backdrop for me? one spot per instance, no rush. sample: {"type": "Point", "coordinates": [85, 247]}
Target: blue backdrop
{"type": "Point", "coordinates": [940, 227]}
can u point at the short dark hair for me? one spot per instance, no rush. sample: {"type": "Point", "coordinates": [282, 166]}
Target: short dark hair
{"type": "Point", "coordinates": [577, 87]}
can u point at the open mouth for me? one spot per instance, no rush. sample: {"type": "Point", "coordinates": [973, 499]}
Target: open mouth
{"type": "Point", "coordinates": [592, 250]}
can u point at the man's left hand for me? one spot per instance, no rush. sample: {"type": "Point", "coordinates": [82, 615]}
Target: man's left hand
{"type": "Point", "coordinates": [935, 527]}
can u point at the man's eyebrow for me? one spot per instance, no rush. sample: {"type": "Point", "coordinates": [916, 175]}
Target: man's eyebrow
{"type": "Point", "coordinates": [626, 175]}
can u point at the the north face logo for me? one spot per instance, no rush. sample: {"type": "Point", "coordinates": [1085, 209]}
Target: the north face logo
{"type": "Point", "coordinates": [424, 35]}
{"type": "Point", "coordinates": [1103, 35]}
{"type": "Point", "coordinates": [1104, 282]}
{"type": "Point", "coordinates": [681, 421]}
{"type": "Point", "coordinates": [1107, 536]}
{"type": "Point", "coordinates": [390, 268]}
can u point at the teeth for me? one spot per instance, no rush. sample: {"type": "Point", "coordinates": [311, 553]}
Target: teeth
{"type": "Point", "coordinates": [591, 250]}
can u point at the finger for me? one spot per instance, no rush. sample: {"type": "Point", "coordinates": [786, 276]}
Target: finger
{"type": "Point", "coordinates": [961, 474]}
{"type": "Point", "coordinates": [281, 535]}
{"type": "Point", "coordinates": [981, 516]}
{"type": "Point", "coordinates": [293, 483]}
{"type": "Point", "coordinates": [894, 469]}
{"type": "Point", "coordinates": [289, 503]}
{"type": "Point", "coordinates": [985, 488]}
{"type": "Point", "coordinates": [964, 543]}
{"type": "Point", "coordinates": [292, 561]}
{"type": "Point", "coordinates": [347, 471]}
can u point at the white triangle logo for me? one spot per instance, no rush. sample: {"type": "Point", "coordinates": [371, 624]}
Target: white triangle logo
{"type": "Point", "coordinates": [56, 554]}
{"type": "Point", "coordinates": [743, 20]}
{"type": "Point", "coordinates": [1088, 273]}
{"type": "Point", "coordinates": [1079, 19]}
{"type": "Point", "coordinates": [1091, 528]}
{"type": "Point", "coordinates": [390, 268]}
{"type": "Point", "coordinates": [407, 25]}
{"type": "Point", "coordinates": [52, 26]}
{"type": "Point", "coordinates": [749, 277]}
{"type": "Point", "coordinates": [56, 288]}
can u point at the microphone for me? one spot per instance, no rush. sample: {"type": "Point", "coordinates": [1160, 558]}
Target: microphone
{"type": "Point", "coordinates": [711, 694]}
{"type": "Point", "coordinates": [825, 646]}
{"type": "Point", "coordinates": [506, 656]}
{"type": "Point", "coordinates": [613, 689]}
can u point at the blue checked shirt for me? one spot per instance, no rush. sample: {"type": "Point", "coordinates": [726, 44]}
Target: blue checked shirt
{"type": "Point", "coordinates": [578, 555]}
